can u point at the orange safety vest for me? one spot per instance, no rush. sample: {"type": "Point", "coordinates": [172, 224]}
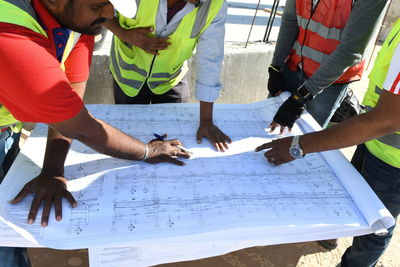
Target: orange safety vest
{"type": "Point", "coordinates": [319, 34]}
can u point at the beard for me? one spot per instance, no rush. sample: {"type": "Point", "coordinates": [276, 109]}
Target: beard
{"type": "Point", "coordinates": [67, 21]}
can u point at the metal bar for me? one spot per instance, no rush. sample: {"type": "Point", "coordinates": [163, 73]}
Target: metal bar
{"type": "Point", "coordinates": [254, 19]}
{"type": "Point", "coordinates": [271, 19]}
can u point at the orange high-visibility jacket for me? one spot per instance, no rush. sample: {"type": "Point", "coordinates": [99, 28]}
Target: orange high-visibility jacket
{"type": "Point", "coordinates": [320, 31]}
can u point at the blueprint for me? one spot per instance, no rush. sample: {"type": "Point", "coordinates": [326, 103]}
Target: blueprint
{"type": "Point", "coordinates": [222, 201]}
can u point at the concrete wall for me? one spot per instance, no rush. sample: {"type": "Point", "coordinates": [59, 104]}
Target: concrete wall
{"type": "Point", "coordinates": [243, 69]}
{"type": "Point", "coordinates": [392, 15]}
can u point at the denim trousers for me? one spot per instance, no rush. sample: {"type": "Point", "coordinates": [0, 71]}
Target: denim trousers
{"type": "Point", "coordinates": [10, 257]}
{"type": "Point", "coordinates": [384, 179]}
{"type": "Point", "coordinates": [323, 106]}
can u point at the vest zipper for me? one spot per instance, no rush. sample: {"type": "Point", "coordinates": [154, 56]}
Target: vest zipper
{"type": "Point", "coordinates": [150, 71]}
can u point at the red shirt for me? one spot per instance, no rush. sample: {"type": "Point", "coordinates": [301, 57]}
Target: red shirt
{"type": "Point", "coordinates": [33, 86]}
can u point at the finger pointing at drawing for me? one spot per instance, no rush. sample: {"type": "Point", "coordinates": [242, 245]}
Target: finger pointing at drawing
{"type": "Point", "coordinates": [278, 152]}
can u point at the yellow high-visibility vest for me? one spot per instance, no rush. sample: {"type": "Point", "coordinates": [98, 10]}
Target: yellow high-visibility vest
{"type": "Point", "coordinates": [132, 66]}
{"type": "Point", "coordinates": [386, 148]}
{"type": "Point", "coordinates": [20, 12]}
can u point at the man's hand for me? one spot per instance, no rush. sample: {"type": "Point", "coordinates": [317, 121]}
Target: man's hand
{"type": "Point", "coordinates": [217, 138]}
{"type": "Point", "coordinates": [48, 189]}
{"type": "Point", "coordinates": [275, 81]}
{"type": "Point", "coordinates": [139, 38]}
{"type": "Point", "coordinates": [278, 152]}
{"type": "Point", "coordinates": [166, 151]}
{"type": "Point", "coordinates": [287, 114]}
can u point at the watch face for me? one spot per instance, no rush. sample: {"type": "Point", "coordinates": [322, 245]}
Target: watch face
{"type": "Point", "coordinates": [303, 92]}
{"type": "Point", "coordinates": [295, 152]}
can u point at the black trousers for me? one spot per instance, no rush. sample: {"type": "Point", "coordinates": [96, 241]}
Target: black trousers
{"type": "Point", "coordinates": [177, 94]}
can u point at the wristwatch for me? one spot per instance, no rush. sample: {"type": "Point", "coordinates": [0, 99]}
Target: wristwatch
{"type": "Point", "coordinates": [302, 94]}
{"type": "Point", "coordinates": [295, 149]}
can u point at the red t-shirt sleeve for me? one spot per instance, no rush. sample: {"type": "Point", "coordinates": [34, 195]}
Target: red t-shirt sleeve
{"type": "Point", "coordinates": [33, 87]}
{"type": "Point", "coordinates": [78, 63]}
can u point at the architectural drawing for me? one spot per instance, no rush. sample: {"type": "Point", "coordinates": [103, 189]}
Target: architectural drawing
{"type": "Point", "coordinates": [215, 193]}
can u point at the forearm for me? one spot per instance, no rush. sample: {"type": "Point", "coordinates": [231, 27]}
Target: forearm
{"type": "Point", "coordinates": [287, 34]}
{"type": "Point", "coordinates": [364, 19]}
{"type": "Point", "coordinates": [206, 112]}
{"type": "Point", "coordinates": [113, 26]}
{"type": "Point", "coordinates": [354, 131]}
{"type": "Point", "coordinates": [101, 136]}
{"type": "Point", "coordinates": [112, 142]}
{"type": "Point", "coordinates": [57, 147]}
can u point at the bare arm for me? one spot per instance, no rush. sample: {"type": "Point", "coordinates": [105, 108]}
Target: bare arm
{"type": "Point", "coordinates": [58, 145]}
{"type": "Point", "coordinates": [208, 129]}
{"type": "Point", "coordinates": [382, 120]}
{"type": "Point", "coordinates": [138, 37]}
{"type": "Point", "coordinates": [50, 186]}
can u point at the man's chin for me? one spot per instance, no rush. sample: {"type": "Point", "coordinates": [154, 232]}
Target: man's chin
{"type": "Point", "coordinates": [96, 31]}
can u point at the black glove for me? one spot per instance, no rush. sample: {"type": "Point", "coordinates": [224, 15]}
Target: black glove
{"type": "Point", "coordinates": [275, 81]}
{"type": "Point", "coordinates": [289, 112]}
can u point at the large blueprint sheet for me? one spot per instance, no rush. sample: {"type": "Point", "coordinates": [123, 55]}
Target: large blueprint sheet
{"type": "Point", "coordinates": [221, 201]}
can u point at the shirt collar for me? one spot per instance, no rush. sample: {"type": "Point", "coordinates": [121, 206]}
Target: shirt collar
{"type": "Point", "coordinates": [48, 21]}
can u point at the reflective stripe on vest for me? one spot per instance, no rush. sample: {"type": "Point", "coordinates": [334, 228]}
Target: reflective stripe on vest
{"type": "Point", "coordinates": [319, 34]}
{"type": "Point", "coordinates": [21, 13]}
{"type": "Point", "coordinates": [323, 31]}
{"type": "Point", "coordinates": [132, 67]}
{"type": "Point", "coordinates": [386, 148]}
{"type": "Point", "coordinates": [201, 18]}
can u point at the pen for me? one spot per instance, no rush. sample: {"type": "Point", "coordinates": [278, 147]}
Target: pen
{"type": "Point", "coordinates": [161, 138]}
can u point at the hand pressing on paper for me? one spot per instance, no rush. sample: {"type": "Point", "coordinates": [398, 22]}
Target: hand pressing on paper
{"type": "Point", "coordinates": [209, 130]}
{"type": "Point", "coordinates": [49, 190]}
{"type": "Point", "coordinates": [166, 151]}
{"type": "Point", "coordinates": [216, 137]}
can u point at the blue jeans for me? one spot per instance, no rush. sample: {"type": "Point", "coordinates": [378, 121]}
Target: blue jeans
{"type": "Point", "coordinates": [385, 181]}
{"type": "Point", "coordinates": [10, 257]}
{"type": "Point", "coordinates": [323, 106]}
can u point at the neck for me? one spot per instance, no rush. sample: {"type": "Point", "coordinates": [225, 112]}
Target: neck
{"type": "Point", "coordinates": [171, 3]}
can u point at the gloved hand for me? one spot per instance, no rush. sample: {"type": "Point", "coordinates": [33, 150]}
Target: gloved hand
{"type": "Point", "coordinates": [289, 112]}
{"type": "Point", "coordinates": [275, 81]}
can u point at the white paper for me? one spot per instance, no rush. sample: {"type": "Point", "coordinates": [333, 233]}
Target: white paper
{"type": "Point", "coordinates": [225, 200]}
